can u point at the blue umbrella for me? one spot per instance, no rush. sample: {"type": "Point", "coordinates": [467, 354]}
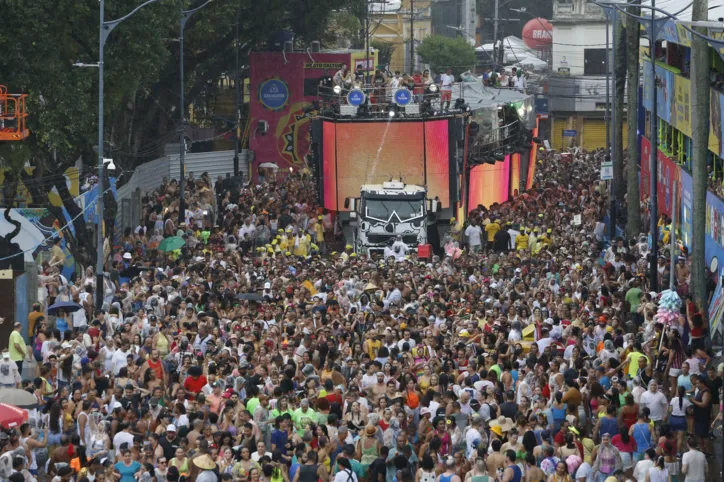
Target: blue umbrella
{"type": "Point", "coordinates": [65, 306]}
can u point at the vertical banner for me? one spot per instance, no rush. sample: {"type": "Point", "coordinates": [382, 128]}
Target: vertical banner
{"type": "Point", "coordinates": [515, 175]}
{"type": "Point", "coordinates": [687, 209]}
{"type": "Point", "coordinates": [644, 182]}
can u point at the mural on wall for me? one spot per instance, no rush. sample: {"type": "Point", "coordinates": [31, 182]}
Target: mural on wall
{"type": "Point", "coordinates": [23, 198]}
{"type": "Point", "coordinates": [37, 228]}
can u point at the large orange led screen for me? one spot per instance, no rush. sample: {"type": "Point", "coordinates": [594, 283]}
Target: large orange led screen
{"type": "Point", "coordinates": [357, 153]}
{"type": "Point", "coordinates": [489, 184]}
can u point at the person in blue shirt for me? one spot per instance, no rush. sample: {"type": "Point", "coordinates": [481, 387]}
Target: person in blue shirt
{"type": "Point", "coordinates": [280, 435]}
{"type": "Point", "coordinates": [127, 467]}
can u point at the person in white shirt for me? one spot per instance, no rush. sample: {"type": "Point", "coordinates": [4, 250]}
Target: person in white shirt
{"type": "Point", "coordinates": [473, 436]}
{"type": "Point", "coordinates": [642, 466]}
{"type": "Point", "coordinates": [446, 84]}
{"type": "Point", "coordinates": [120, 357]}
{"type": "Point", "coordinates": [693, 463]}
{"type": "Point", "coordinates": [474, 235]}
{"type": "Point", "coordinates": [656, 402]}
{"type": "Point", "coordinates": [124, 436]}
{"type": "Point", "coordinates": [260, 452]}
{"type": "Point", "coordinates": [519, 82]}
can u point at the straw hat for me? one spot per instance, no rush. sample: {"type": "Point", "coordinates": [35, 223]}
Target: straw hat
{"type": "Point", "coordinates": [370, 430]}
{"type": "Point", "coordinates": [205, 462]}
{"type": "Point", "coordinates": [503, 422]}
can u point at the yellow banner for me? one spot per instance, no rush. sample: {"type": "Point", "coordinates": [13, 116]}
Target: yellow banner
{"type": "Point", "coordinates": [682, 93]}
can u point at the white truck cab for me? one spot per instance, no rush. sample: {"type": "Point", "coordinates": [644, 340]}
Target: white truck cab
{"type": "Point", "coordinates": [385, 211]}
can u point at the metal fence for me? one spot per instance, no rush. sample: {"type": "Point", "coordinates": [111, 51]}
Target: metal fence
{"type": "Point", "coordinates": [149, 176]}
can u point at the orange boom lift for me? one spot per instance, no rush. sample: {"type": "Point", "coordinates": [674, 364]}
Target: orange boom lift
{"type": "Point", "coordinates": [12, 116]}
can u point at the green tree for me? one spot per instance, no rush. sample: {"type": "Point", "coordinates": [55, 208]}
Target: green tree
{"type": "Point", "coordinates": [384, 51]}
{"type": "Point", "coordinates": [141, 77]}
{"type": "Point", "coordinates": [443, 53]}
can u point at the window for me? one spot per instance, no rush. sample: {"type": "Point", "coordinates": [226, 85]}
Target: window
{"type": "Point", "coordinates": [594, 61]}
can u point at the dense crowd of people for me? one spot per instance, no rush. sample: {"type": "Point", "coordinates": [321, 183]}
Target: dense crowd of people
{"type": "Point", "coordinates": [253, 351]}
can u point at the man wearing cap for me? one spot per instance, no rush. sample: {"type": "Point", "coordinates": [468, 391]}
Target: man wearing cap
{"type": "Point", "coordinates": [16, 346]}
{"type": "Point", "coordinates": [169, 442]}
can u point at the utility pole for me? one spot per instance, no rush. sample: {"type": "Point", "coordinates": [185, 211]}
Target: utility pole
{"type": "Point", "coordinates": [607, 115]}
{"type": "Point", "coordinates": [614, 108]}
{"type": "Point", "coordinates": [633, 196]}
{"type": "Point", "coordinates": [106, 27]}
{"type": "Point", "coordinates": [619, 90]}
{"type": "Point", "coordinates": [412, 36]}
{"type": "Point", "coordinates": [237, 144]}
{"type": "Point", "coordinates": [367, 44]}
{"type": "Point", "coordinates": [185, 15]}
{"type": "Point", "coordinates": [700, 67]}
{"type": "Point", "coordinates": [653, 171]}
{"type": "Point", "coordinates": [495, 31]}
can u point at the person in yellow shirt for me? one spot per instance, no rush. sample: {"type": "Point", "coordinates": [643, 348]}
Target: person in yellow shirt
{"type": "Point", "coordinates": [491, 230]}
{"type": "Point", "coordinates": [16, 346]}
{"type": "Point", "coordinates": [302, 241]}
{"type": "Point", "coordinates": [521, 241]}
{"type": "Point", "coordinates": [319, 235]}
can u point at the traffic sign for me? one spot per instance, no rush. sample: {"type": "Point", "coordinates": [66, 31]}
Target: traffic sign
{"type": "Point", "coordinates": [403, 97]}
{"type": "Point", "coordinates": [570, 133]}
{"type": "Point", "coordinates": [606, 171]}
{"type": "Point", "coordinates": [356, 97]}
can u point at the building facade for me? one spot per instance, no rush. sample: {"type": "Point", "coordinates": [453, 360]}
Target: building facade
{"type": "Point", "coordinates": [397, 22]}
{"type": "Point", "coordinates": [577, 82]}
{"type": "Point", "coordinates": [674, 130]}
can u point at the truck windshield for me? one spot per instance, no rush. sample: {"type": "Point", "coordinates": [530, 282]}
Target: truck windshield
{"type": "Point", "coordinates": [383, 209]}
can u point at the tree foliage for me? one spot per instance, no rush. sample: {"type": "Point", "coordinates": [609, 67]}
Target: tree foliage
{"type": "Point", "coordinates": [384, 51]}
{"type": "Point", "coordinates": [40, 40]}
{"type": "Point", "coordinates": [443, 53]}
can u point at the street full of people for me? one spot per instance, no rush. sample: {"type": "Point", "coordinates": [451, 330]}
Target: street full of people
{"type": "Point", "coordinates": [238, 345]}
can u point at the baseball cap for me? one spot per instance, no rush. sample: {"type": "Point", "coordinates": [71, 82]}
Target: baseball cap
{"type": "Point", "coordinates": [171, 428]}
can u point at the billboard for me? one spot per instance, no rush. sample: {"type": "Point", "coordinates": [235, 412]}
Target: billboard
{"type": "Point", "coordinates": [357, 153]}
{"type": "Point", "coordinates": [282, 86]}
{"type": "Point", "coordinates": [668, 174]}
{"type": "Point", "coordinates": [673, 103]}
{"type": "Point", "coordinates": [489, 184]}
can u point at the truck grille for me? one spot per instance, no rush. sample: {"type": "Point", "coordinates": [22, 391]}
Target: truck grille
{"type": "Point", "coordinates": [410, 239]}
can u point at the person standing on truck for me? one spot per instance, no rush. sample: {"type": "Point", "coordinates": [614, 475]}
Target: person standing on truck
{"type": "Point", "coordinates": [446, 83]}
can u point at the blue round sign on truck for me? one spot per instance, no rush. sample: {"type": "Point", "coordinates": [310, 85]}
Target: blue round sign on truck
{"type": "Point", "coordinates": [403, 97]}
{"type": "Point", "coordinates": [273, 94]}
{"type": "Point", "coordinates": [355, 97]}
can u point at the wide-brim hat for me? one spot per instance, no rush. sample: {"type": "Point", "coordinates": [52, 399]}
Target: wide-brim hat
{"type": "Point", "coordinates": [205, 462]}
{"type": "Point", "coordinates": [503, 422]}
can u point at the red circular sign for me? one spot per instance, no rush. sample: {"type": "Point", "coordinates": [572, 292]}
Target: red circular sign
{"type": "Point", "coordinates": [537, 33]}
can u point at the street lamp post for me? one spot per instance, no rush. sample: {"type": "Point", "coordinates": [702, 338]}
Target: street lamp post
{"type": "Point", "coordinates": [185, 14]}
{"type": "Point", "coordinates": [106, 27]}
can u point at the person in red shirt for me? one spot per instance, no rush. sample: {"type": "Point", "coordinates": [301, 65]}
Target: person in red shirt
{"type": "Point", "coordinates": [194, 382]}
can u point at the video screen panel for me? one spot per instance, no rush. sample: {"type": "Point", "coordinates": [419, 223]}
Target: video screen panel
{"type": "Point", "coordinates": [437, 153]}
{"type": "Point", "coordinates": [489, 184]}
{"type": "Point", "coordinates": [357, 153]}
{"type": "Point", "coordinates": [329, 168]}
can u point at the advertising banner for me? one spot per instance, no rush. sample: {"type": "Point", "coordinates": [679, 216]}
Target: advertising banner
{"type": "Point", "coordinates": [280, 90]}
{"type": "Point", "coordinates": [664, 91]}
{"type": "Point", "coordinates": [687, 210]}
{"type": "Point", "coordinates": [668, 174]}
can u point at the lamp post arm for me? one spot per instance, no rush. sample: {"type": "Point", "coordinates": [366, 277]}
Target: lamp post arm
{"type": "Point", "coordinates": [109, 25]}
